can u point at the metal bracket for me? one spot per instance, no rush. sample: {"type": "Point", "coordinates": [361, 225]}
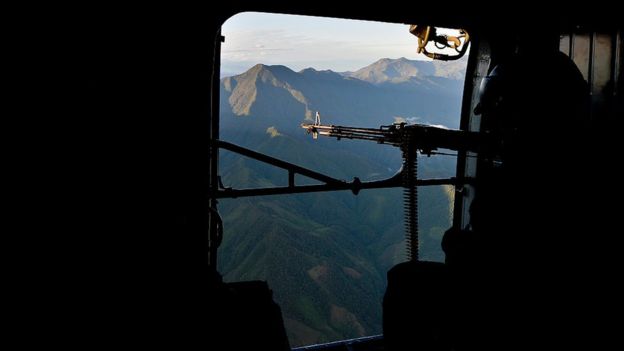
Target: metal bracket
{"type": "Point", "coordinates": [330, 184]}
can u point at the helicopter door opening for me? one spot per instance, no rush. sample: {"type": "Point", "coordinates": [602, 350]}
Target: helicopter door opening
{"type": "Point", "coordinates": [323, 219]}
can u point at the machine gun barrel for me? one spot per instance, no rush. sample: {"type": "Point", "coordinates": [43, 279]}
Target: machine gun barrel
{"type": "Point", "coordinates": [382, 135]}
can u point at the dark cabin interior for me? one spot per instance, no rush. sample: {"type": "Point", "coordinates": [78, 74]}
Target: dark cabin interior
{"type": "Point", "coordinates": [151, 77]}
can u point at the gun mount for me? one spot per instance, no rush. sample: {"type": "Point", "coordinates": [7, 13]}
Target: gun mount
{"type": "Point", "coordinates": [410, 138]}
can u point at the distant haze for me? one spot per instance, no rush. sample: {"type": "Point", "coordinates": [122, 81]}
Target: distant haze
{"type": "Point", "coordinates": [300, 42]}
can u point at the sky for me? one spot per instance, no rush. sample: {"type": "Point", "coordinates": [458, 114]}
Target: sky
{"type": "Point", "coordinates": [300, 42]}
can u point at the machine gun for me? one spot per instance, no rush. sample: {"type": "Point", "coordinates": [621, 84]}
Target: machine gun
{"type": "Point", "coordinates": [410, 138]}
{"type": "Point", "coordinates": [415, 137]}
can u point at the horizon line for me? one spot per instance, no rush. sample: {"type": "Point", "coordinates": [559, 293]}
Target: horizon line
{"type": "Point", "coordinates": [225, 74]}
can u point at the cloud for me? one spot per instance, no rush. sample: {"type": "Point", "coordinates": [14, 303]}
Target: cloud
{"type": "Point", "coordinates": [407, 120]}
{"type": "Point", "coordinates": [272, 131]}
{"type": "Point", "coordinates": [414, 120]}
{"type": "Point", "coordinates": [398, 119]}
{"type": "Point", "coordinates": [441, 126]}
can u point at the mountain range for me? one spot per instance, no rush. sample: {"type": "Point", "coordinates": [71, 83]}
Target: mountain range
{"type": "Point", "coordinates": [325, 255]}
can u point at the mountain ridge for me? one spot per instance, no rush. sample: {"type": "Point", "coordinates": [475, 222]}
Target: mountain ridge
{"type": "Point", "coordinates": [379, 71]}
{"type": "Point", "coordinates": [394, 70]}
{"type": "Point", "coordinates": [386, 89]}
